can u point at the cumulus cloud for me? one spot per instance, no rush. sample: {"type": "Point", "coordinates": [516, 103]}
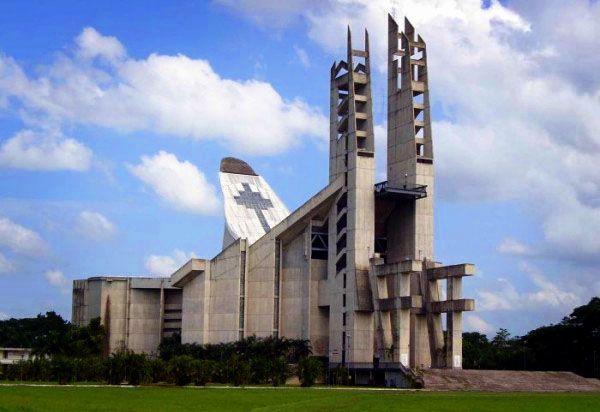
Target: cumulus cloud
{"type": "Point", "coordinates": [165, 265]}
{"type": "Point", "coordinates": [474, 323]}
{"type": "Point", "coordinates": [91, 44]}
{"type": "Point", "coordinates": [94, 225]}
{"type": "Point", "coordinates": [175, 95]}
{"type": "Point", "coordinates": [32, 150]}
{"type": "Point", "coordinates": [515, 123]}
{"type": "Point", "coordinates": [6, 265]}
{"type": "Point", "coordinates": [513, 247]}
{"type": "Point", "coordinates": [19, 239]}
{"type": "Point", "coordinates": [3, 316]}
{"type": "Point", "coordinates": [547, 294]}
{"type": "Point", "coordinates": [178, 183]}
{"type": "Point", "coordinates": [56, 279]}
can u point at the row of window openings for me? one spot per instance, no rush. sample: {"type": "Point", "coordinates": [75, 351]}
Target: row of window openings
{"type": "Point", "coordinates": [168, 330]}
{"type": "Point", "coordinates": [320, 249]}
{"type": "Point", "coordinates": [169, 311]}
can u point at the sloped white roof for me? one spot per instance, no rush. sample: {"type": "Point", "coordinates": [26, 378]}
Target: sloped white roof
{"type": "Point", "coordinates": [251, 206]}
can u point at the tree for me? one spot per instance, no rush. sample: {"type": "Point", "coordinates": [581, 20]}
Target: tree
{"type": "Point", "coordinates": [202, 371]}
{"type": "Point", "coordinates": [278, 371]}
{"type": "Point", "coordinates": [180, 370]}
{"type": "Point", "coordinates": [309, 370]}
{"type": "Point", "coordinates": [570, 345]}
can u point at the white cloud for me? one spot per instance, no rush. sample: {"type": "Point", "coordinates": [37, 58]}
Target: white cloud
{"type": "Point", "coordinates": [161, 265]}
{"type": "Point", "coordinates": [5, 265]}
{"type": "Point", "coordinates": [302, 56]}
{"type": "Point", "coordinates": [513, 247]}
{"type": "Point", "coordinates": [58, 280]}
{"type": "Point", "coordinates": [180, 184]}
{"type": "Point", "coordinates": [517, 123]}
{"type": "Point", "coordinates": [475, 323]}
{"type": "Point", "coordinates": [46, 150]}
{"type": "Point", "coordinates": [174, 95]}
{"type": "Point", "coordinates": [3, 316]}
{"type": "Point", "coordinates": [547, 294]}
{"type": "Point", "coordinates": [92, 44]}
{"type": "Point", "coordinates": [94, 225]}
{"type": "Point", "coordinates": [19, 239]}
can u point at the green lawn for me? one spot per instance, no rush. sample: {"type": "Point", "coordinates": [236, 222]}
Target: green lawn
{"type": "Point", "coordinates": [148, 399]}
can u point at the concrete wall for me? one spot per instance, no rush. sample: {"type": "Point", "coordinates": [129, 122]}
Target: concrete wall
{"type": "Point", "coordinates": [318, 316]}
{"type": "Point", "coordinates": [260, 287]}
{"type": "Point", "coordinates": [144, 329]}
{"type": "Point", "coordinates": [295, 278]}
{"type": "Point", "coordinates": [194, 316]}
{"type": "Point", "coordinates": [130, 308]}
{"type": "Point", "coordinates": [223, 320]}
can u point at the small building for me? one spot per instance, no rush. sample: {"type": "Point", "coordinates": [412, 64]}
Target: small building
{"type": "Point", "coordinates": [9, 356]}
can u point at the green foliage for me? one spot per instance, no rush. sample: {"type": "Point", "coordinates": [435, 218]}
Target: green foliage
{"type": "Point", "coordinates": [249, 360]}
{"type": "Point", "coordinates": [63, 369]}
{"type": "Point", "coordinates": [239, 371]}
{"type": "Point", "coordinates": [248, 348]}
{"type": "Point", "coordinates": [571, 345]}
{"type": "Point", "coordinates": [279, 371]}
{"type": "Point", "coordinates": [202, 371]}
{"type": "Point", "coordinates": [181, 370]}
{"type": "Point", "coordinates": [158, 370]}
{"type": "Point", "coordinates": [127, 367]}
{"type": "Point", "coordinates": [340, 375]}
{"type": "Point", "coordinates": [309, 370]}
{"type": "Point", "coordinates": [50, 334]}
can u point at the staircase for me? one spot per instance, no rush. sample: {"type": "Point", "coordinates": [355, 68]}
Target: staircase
{"type": "Point", "coordinates": [506, 381]}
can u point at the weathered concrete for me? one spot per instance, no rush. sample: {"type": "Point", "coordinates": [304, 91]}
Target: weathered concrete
{"type": "Point", "coordinates": [352, 269]}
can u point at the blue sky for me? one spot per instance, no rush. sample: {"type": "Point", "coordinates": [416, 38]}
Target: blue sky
{"type": "Point", "coordinates": [113, 120]}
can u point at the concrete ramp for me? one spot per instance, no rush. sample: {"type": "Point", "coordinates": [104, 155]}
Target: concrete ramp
{"type": "Point", "coordinates": [506, 381]}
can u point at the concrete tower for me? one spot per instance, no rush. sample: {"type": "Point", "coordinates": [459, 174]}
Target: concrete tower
{"type": "Point", "coordinates": [351, 222]}
{"type": "Point", "coordinates": [409, 140]}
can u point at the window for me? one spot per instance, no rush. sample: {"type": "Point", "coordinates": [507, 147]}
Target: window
{"type": "Point", "coordinates": [342, 202]}
{"type": "Point", "coordinates": [319, 242]}
{"type": "Point", "coordinates": [341, 243]}
{"type": "Point", "coordinates": [341, 223]}
{"type": "Point", "coordinates": [341, 263]}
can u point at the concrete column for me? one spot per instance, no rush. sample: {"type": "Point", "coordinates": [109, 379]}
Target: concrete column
{"type": "Point", "coordinates": [454, 326]}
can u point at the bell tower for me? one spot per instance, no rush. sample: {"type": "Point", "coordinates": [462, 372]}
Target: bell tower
{"type": "Point", "coordinates": [351, 221]}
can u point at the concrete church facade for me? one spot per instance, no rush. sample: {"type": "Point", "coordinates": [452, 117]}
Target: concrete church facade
{"type": "Point", "coordinates": [352, 269]}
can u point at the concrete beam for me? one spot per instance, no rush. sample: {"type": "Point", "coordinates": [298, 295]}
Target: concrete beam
{"type": "Point", "coordinates": [151, 283]}
{"type": "Point", "coordinates": [444, 272]}
{"type": "Point", "coordinates": [459, 305]}
{"type": "Point", "coordinates": [405, 267]}
{"type": "Point", "coordinates": [187, 272]}
{"type": "Point", "coordinates": [404, 302]}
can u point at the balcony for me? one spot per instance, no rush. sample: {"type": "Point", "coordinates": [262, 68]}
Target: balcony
{"type": "Point", "coordinates": [406, 192]}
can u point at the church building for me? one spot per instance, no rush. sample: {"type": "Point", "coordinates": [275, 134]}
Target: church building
{"type": "Point", "coordinates": [353, 269]}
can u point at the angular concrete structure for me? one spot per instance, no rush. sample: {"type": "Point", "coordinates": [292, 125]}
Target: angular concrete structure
{"type": "Point", "coordinates": [352, 269]}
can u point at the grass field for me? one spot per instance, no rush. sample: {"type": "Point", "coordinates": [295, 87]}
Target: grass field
{"type": "Point", "coordinates": [27, 398]}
